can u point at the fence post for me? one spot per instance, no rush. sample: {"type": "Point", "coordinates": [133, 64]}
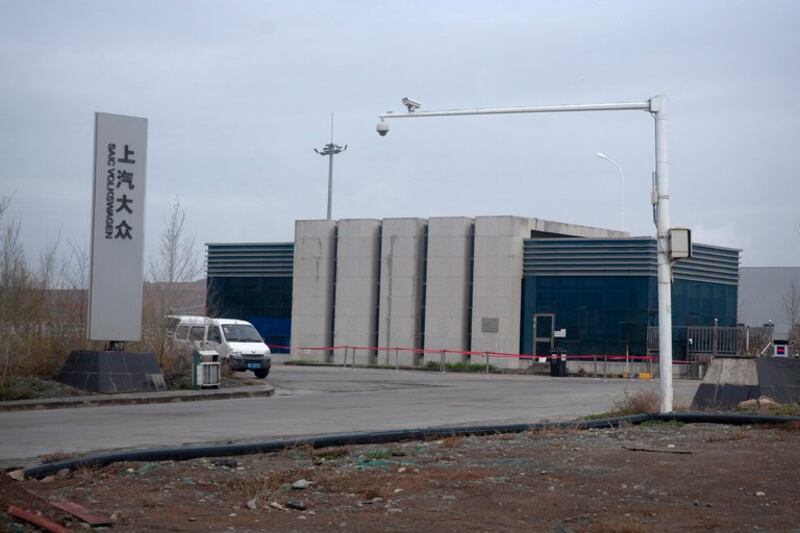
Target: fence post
{"type": "Point", "coordinates": [441, 362]}
{"type": "Point", "coordinates": [715, 339]}
{"type": "Point", "coordinates": [747, 340]}
{"type": "Point", "coordinates": [605, 366]}
{"type": "Point", "coordinates": [487, 362]}
{"type": "Point", "coordinates": [627, 363]}
{"type": "Point", "coordinates": [397, 360]}
{"type": "Point", "coordinates": [594, 371]}
{"type": "Point", "coordinates": [353, 358]}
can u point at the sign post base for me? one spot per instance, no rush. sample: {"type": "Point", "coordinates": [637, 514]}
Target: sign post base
{"type": "Point", "coordinates": [113, 371]}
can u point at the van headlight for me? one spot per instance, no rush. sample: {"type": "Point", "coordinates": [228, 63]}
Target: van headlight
{"type": "Point", "coordinates": [236, 354]}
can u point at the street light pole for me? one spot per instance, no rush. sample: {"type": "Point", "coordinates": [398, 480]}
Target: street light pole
{"type": "Point", "coordinates": [622, 201]}
{"type": "Point", "coordinates": [657, 107]}
{"type": "Point", "coordinates": [330, 150]}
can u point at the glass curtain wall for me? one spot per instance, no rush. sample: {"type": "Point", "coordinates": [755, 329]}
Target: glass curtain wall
{"type": "Point", "coordinates": [610, 314]}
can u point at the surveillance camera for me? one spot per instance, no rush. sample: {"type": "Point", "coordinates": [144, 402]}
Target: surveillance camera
{"type": "Point", "coordinates": [411, 104]}
{"type": "Point", "coordinates": [382, 128]}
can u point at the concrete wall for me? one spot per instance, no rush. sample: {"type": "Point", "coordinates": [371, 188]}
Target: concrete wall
{"type": "Point", "coordinates": [401, 288]}
{"type": "Point", "coordinates": [497, 282]}
{"type": "Point", "coordinates": [357, 285]}
{"type": "Point", "coordinates": [561, 229]}
{"type": "Point", "coordinates": [447, 285]}
{"type": "Point", "coordinates": [616, 369]}
{"type": "Point", "coordinates": [312, 287]}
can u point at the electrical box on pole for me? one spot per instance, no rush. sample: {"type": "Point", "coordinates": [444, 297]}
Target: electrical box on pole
{"type": "Point", "coordinates": [680, 243]}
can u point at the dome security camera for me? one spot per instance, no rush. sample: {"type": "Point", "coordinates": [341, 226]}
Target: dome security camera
{"type": "Point", "coordinates": [382, 128]}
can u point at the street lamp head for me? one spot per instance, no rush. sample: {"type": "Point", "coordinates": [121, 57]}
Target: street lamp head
{"type": "Point", "coordinates": [601, 155]}
{"type": "Point", "coordinates": [382, 128]}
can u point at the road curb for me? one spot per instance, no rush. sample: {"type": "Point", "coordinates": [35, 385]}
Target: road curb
{"type": "Point", "coordinates": [253, 391]}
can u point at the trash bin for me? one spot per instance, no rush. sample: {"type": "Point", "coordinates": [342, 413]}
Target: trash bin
{"type": "Point", "coordinates": [205, 369]}
{"type": "Point", "coordinates": [558, 364]}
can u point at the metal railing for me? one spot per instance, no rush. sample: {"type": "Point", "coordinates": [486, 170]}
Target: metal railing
{"type": "Point", "coordinates": [702, 341]}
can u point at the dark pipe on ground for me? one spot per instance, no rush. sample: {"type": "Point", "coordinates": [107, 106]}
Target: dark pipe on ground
{"type": "Point", "coordinates": [184, 453]}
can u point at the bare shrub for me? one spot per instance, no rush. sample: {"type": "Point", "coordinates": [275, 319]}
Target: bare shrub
{"type": "Point", "coordinates": [43, 307]}
{"type": "Point", "coordinates": [177, 262]}
{"type": "Point", "coordinates": [29, 314]}
{"type": "Point", "coordinates": [646, 401]}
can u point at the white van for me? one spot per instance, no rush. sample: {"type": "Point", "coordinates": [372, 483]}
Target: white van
{"type": "Point", "coordinates": [237, 341]}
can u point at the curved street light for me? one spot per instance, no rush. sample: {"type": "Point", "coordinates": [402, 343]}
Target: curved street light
{"type": "Point", "coordinates": [622, 201]}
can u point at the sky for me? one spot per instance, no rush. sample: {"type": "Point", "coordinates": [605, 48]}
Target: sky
{"type": "Point", "coordinates": [238, 94]}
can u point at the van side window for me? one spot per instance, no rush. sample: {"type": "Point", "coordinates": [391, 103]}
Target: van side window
{"type": "Point", "coordinates": [182, 333]}
{"type": "Point", "coordinates": [197, 333]}
{"type": "Point", "coordinates": [216, 335]}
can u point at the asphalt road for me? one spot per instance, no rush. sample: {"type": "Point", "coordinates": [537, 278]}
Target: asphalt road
{"type": "Point", "coordinates": [314, 401]}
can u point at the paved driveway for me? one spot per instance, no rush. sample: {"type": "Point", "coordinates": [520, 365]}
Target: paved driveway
{"type": "Point", "coordinates": [315, 400]}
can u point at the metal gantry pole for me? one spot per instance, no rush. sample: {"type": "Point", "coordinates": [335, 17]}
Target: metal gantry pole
{"type": "Point", "coordinates": [657, 107]}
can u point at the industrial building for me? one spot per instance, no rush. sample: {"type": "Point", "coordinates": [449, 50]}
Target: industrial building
{"type": "Point", "coordinates": [465, 285]}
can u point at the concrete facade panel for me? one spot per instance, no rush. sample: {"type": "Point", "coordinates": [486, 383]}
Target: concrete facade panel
{"type": "Point", "coordinates": [447, 285]}
{"type": "Point", "coordinates": [497, 284]}
{"type": "Point", "coordinates": [357, 286]}
{"type": "Point", "coordinates": [312, 289]}
{"type": "Point", "coordinates": [400, 299]}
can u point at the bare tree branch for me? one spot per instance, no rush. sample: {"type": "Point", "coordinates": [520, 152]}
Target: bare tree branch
{"type": "Point", "coordinates": [177, 259]}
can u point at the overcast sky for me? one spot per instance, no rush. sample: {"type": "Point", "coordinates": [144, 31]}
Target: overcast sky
{"type": "Point", "coordinates": [239, 93]}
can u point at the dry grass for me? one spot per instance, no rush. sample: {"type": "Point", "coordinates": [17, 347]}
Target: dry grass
{"type": "Point", "coordinates": [329, 454]}
{"type": "Point", "coordinates": [263, 487]}
{"type": "Point", "coordinates": [738, 435]}
{"type": "Point", "coordinates": [647, 401]}
{"type": "Point", "coordinates": [297, 451]}
{"type": "Point", "coordinates": [776, 409]}
{"type": "Point", "coordinates": [640, 402]}
{"type": "Point", "coordinates": [791, 427]}
{"type": "Point", "coordinates": [451, 442]}
{"type": "Point", "coordinates": [55, 457]}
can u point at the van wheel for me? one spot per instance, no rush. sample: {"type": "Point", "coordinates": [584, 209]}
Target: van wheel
{"type": "Point", "coordinates": [261, 374]}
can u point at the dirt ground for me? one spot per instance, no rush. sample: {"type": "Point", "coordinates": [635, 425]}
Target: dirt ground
{"type": "Point", "coordinates": [652, 477]}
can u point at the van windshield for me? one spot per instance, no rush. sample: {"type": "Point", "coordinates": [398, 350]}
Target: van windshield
{"type": "Point", "coordinates": [240, 333]}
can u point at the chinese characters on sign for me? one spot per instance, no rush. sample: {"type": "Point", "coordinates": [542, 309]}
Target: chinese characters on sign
{"type": "Point", "coordinates": [115, 308]}
{"type": "Point", "coordinates": [115, 178]}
